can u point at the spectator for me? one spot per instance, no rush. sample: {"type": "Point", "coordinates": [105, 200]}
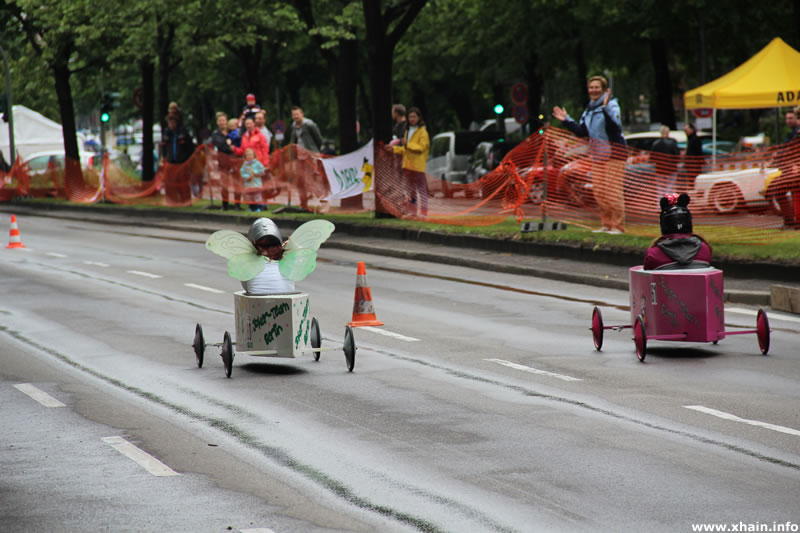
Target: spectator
{"type": "Point", "coordinates": [252, 172]}
{"type": "Point", "coordinates": [667, 164]}
{"type": "Point", "coordinates": [677, 247]}
{"type": "Point", "coordinates": [248, 111]}
{"type": "Point", "coordinates": [222, 143]}
{"type": "Point", "coordinates": [414, 148]}
{"type": "Point", "coordinates": [233, 133]}
{"type": "Point", "coordinates": [399, 128]}
{"type": "Point", "coordinates": [261, 124]}
{"type": "Point", "coordinates": [304, 132]}
{"type": "Point", "coordinates": [693, 162]}
{"type": "Point", "coordinates": [791, 123]}
{"type": "Point", "coordinates": [175, 111]}
{"type": "Point", "coordinates": [253, 138]}
{"type": "Point", "coordinates": [601, 122]}
{"type": "Point", "coordinates": [177, 145]}
{"type": "Point", "coordinates": [784, 190]}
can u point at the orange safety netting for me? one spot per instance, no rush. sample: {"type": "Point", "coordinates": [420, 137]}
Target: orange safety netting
{"type": "Point", "coordinates": [738, 197]}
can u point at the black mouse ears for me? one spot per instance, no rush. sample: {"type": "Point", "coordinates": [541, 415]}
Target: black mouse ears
{"type": "Point", "coordinates": [670, 200]}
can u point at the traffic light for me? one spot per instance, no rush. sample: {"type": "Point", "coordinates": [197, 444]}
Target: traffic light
{"type": "Point", "coordinates": [109, 103]}
{"type": "Point", "coordinates": [498, 109]}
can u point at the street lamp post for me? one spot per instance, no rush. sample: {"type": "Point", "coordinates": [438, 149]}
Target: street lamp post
{"type": "Point", "coordinates": [10, 104]}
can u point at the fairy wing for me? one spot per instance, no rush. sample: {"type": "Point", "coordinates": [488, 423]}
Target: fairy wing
{"type": "Point", "coordinates": [229, 244]}
{"type": "Point", "coordinates": [246, 266]}
{"type": "Point", "coordinates": [298, 263]}
{"type": "Point", "coordinates": [310, 235]}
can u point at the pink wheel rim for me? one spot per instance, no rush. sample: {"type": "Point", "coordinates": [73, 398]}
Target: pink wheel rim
{"type": "Point", "coordinates": [597, 329]}
{"type": "Point", "coordinates": [762, 331]}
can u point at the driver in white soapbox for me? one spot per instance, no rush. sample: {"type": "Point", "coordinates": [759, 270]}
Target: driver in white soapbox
{"type": "Point", "coordinates": [263, 262]}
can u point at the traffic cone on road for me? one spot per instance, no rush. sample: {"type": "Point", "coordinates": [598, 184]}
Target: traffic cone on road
{"type": "Point", "coordinates": [363, 311]}
{"type": "Point", "coordinates": [14, 240]}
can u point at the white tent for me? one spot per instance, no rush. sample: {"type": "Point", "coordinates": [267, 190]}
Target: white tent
{"type": "Point", "coordinates": [33, 132]}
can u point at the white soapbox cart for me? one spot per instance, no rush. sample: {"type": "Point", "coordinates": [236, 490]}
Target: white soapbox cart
{"type": "Point", "coordinates": [276, 325]}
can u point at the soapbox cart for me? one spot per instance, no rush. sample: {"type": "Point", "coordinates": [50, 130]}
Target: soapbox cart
{"type": "Point", "coordinates": [277, 325]}
{"type": "Point", "coordinates": [677, 305]}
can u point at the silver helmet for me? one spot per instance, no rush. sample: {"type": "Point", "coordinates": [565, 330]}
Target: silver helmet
{"type": "Point", "coordinates": [263, 227]}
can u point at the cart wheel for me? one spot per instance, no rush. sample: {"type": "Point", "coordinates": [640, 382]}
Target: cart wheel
{"type": "Point", "coordinates": [349, 348]}
{"type": "Point", "coordinates": [762, 330]}
{"type": "Point", "coordinates": [316, 338]}
{"type": "Point", "coordinates": [199, 345]}
{"type": "Point", "coordinates": [227, 354]}
{"type": "Point", "coordinates": [597, 328]}
{"type": "Point", "coordinates": [640, 338]}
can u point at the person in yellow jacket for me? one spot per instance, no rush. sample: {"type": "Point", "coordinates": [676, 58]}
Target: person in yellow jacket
{"type": "Point", "coordinates": [415, 147]}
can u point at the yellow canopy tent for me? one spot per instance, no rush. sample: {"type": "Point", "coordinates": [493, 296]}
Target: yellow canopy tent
{"type": "Point", "coordinates": [771, 78]}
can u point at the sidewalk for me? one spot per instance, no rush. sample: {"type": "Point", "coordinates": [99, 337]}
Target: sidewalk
{"type": "Point", "coordinates": [745, 283]}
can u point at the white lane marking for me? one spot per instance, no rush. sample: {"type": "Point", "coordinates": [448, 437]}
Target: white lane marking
{"type": "Point", "coordinates": [38, 395]}
{"type": "Point", "coordinates": [524, 368]}
{"type": "Point", "coordinates": [388, 333]}
{"type": "Point", "coordinates": [95, 263]}
{"type": "Point", "coordinates": [202, 288]}
{"type": "Point", "coordinates": [142, 458]}
{"type": "Point", "coordinates": [145, 274]}
{"type": "Point", "coordinates": [55, 254]}
{"type": "Point", "coordinates": [257, 530]}
{"type": "Point", "coordinates": [734, 418]}
{"type": "Point", "coordinates": [770, 315]}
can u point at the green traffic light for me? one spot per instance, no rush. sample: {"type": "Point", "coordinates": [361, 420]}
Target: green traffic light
{"type": "Point", "coordinates": [105, 117]}
{"type": "Point", "coordinates": [498, 109]}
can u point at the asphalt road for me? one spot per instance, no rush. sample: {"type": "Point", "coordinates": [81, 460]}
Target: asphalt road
{"type": "Point", "coordinates": [480, 406]}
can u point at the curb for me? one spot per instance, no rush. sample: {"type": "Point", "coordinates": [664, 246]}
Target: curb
{"type": "Point", "coordinates": [614, 256]}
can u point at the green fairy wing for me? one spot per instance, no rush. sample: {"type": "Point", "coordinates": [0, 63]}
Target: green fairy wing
{"type": "Point", "coordinates": [229, 243]}
{"type": "Point", "coordinates": [298, 263]}
{"type": "Point", "coordinates": [245, 267]}
{"type": "Point", "coordinates": [310, 235]}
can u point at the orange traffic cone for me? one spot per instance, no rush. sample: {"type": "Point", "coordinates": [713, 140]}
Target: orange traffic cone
{"type": "Point", "coordinates": [363, 312]}
{"type": "Point", "coordinates": [14, 240]}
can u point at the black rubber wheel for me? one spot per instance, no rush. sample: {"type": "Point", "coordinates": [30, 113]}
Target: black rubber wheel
{"type": "Point", "coordinates": [597, 328]}
{"type": "Point", "coordinates": [640, 338]}
{"type": "Point", "coordinates": [316, 338]}
{"type": "Point", "coordinates": [199, 345]}
{"type": "Point", "coordinates": [762, 331]}
{"type": "Point", "coordinates": [349, 348]}
{"type": "Point", "coordinates": [227, 354]}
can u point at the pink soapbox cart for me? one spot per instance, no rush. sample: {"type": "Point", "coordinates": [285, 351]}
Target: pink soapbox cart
{"type": "Point", "coordinates": [677, 305]}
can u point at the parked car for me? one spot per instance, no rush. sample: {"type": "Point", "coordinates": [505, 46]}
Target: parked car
{"type": "Point", "coordinates": [38, 162]}
{"type": "Point", "coordinates": [645, 140]}
{"type": "Point", "coordinates": [732, 191]}
{"type": "Point", "coordinates": [450, 155]}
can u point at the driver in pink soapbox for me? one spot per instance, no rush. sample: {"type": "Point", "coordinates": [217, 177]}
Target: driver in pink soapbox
{"type": "Point", "coordinates": [678, 247]}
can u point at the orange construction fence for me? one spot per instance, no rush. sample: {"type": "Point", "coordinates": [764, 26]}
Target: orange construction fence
{"type": "Point", "coordinates": [748, 197]}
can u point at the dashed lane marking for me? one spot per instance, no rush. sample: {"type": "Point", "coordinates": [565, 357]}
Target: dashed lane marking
{"type": "Point", "coordinates": [96, 263]}
{"type": "Point", "coordinates": [144, 274]}
{"type": "Point", "coordinates": [389, 333]}
{"type": "Point", "coordinates": [202, 288]}
{"type": "Point", "coordinates": [734, 418]}
{"type": "Point", "coordinates": [38, 395]}
{"type": "Point", "coordinates": [140, 457]}
{"type": "Point", "coordinates": [532, 370]}
{"type": "Point", "coordinates": [56, 254]}
{"type": "Point", "coordinates": [770, 315]}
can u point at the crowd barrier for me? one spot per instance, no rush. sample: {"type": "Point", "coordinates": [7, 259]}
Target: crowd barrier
{"type": "Point", "coordinates": [743, 197]}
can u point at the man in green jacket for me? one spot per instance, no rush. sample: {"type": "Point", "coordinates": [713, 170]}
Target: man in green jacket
{"type": "Point", "coordinates": [305, 132]}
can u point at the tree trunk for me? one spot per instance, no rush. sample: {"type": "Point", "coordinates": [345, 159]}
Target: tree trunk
{"type": "Point", "coordinates": [73, 175]}
{"type": "Point", "coordinates": [535, 88]}
{"type": "Point", "coordinates": [665, 109]}
{"type": "Point", "coordinates": [148, 102]}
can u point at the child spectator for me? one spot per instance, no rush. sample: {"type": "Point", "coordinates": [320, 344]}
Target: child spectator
{"type": "Point", "coordinates": [677, 247]}
{"type": "Point", "coordinates": [252, 171]}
